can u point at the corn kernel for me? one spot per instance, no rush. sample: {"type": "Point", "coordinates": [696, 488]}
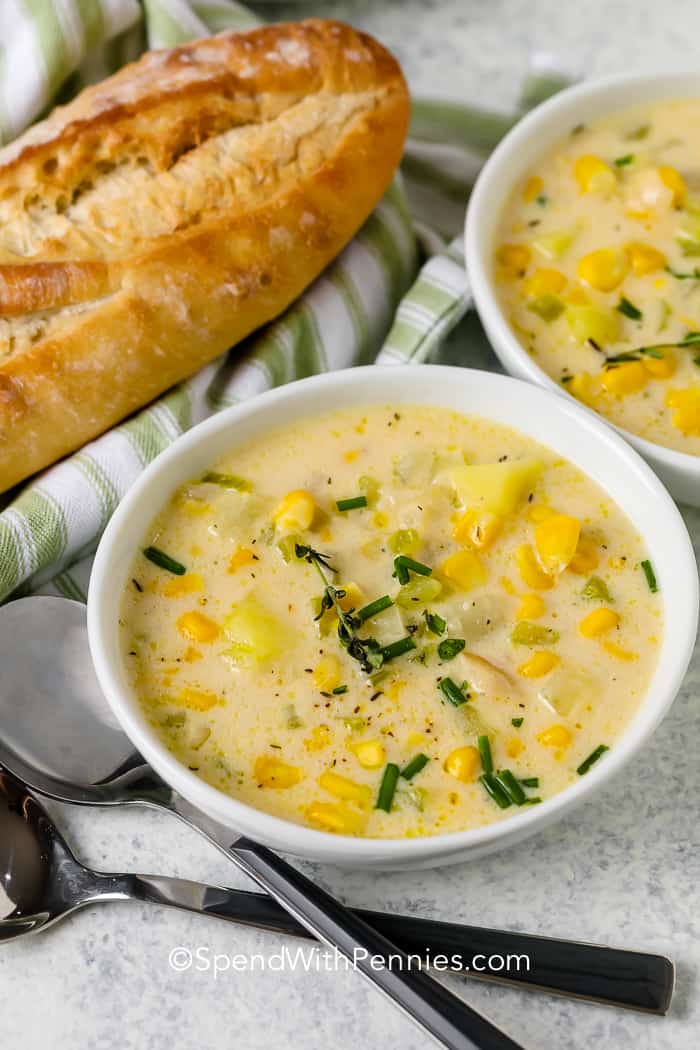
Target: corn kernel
{"type": "Point", "coordinates": [327, 673]}
{"type": "Point", "coordinates": [556, 540]}
{"type": "Point", "coordinates": [352, 598]}
{"type": "Point", "coordinates": [296, 510]}
{"type": "Point", "coordinates": [514, 259]}
{"type": "Point", "coordinates": [346, 789]}
{"type": "Point", "coordinates": [686, 409]}
{"type": "Point", "coordinates": [644, 258]}
{"type": "Point", "coordinates": [332, 817]}
{"type": "Point", "coordinates": [593, 175]}
{"type": "Point", "coordinates": [319, 740]}
{"type": "Point", "coordinates": [618, 652]}
{"type": "Point", "coordinates": [180, 585]}
{"type": "Point", "coordinates": [603, 269]}
{"type": "Point", "coordinates": [197, 627]}
{"type": "Point", "coordinates": [672, 178]}
{"type": "Point", "coordinates": [531, 607]}
{"type": "Point", "coordinates": [477, 528]}
{"type": "Point", "coordinates": [530, 571]}
{"type": "Point", "coordinates": [462, 763]}
{"type": "Point", "coordinates": [507, 585]}
{"type": "Point", "coordinates": [598, 622]}
{"type": "Point", "coordinates": [584, 387]}
{"type": "Point", "coordinates": [270, 772]}
{"type": "Point", "coordinates": [514, 747]}
{"type": "Point", "coordinates": [555, 736]}
{"type": "Point", "coordinates": [416, 740]}
{"type": "Point", "coordinates": [369, 753]}
{"type": "Point", "coordinates": [380, 520]}
{"type": "Point", "coordinates": [197, 699]}
{"type": "Point", "coordinates": [191, 655]}
{"type": "Point", "coordinates": [626, 378]}
{"type": "Point", "coordinates": [661, 367]}
{"type": "Point", "coordinates": [464, 569]}
{"type": "Point", "coordinates": [240, 557]}
{"type": "Point", "coordinates": [553, 245]}
{"type": "Point", "coordinates": [532, 188]}
{"type": "Point", "coordinates": [586, 557]}
{"type": "Point", "coordinates": [351, 455]}
{"type": "Point", "coordinates": [545, 282]}
{"type": "Point", "coordinates": [538, 664]}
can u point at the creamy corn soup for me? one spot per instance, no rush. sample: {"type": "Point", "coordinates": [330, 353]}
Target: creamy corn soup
{"type": "Point", "coordinates": [598, 268]}
{"type": "Point", "coordinates": [391, 622]}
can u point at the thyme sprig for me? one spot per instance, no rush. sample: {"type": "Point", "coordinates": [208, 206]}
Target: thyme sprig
{"type": "Point", "coordinates": [654, 350]}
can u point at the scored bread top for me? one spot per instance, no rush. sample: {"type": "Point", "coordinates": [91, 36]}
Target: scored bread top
{"type": "Point", "coordinates": [168, 145]}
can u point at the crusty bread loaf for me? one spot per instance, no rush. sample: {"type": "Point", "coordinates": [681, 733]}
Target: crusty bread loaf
{"type": "Point", "coordinates": [172, 209]}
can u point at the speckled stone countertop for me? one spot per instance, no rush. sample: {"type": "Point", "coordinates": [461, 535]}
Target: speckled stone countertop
{"type": "Point", "coordinates": [624, 869]}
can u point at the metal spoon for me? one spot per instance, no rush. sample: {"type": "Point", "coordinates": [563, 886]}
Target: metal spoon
{"type": "Point", "coordinates": [43, 883]}
{"type": "Point", "coordinates": [59, 737]}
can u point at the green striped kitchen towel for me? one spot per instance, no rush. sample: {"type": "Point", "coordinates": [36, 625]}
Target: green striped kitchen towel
{"type": "Point", "coordinates": [371, 304]}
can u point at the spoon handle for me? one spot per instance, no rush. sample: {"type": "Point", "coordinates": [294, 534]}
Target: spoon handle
{"type": "Point", "coordinates": [615, 976]}
{"type": "Point", "coordinates": [446, 1017]}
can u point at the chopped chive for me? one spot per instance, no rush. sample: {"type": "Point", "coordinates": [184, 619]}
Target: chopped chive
{"type": "Point", "coordinates": [387, 788]}
{"type": "Point", "coordinates": [398, 648]}
{"type": "Point", "coordinates": [648, 571]}
{"type": "Point", "coordinates": [227, 481]}
{"type": "Point", "coordinates": [435, 623]}
{"type": "Point", "coordinates": [404, 562]}
{"type": "Point", "coordinates": [452, 692]}
{"type": "Point", "coordinates": [629, 309]}
{"type": "Point", "coordinates": [400, 572]}
{"type": "Point", "coordinates": [484, 745]}
{"type": "Point", "coordinates": [494, 789]}
{"type": "Point", "coordinates": [164, 561]}
{"type": "Point", "coordinates": [622, 162]}
{"type": "Point", "coordinates": [533, 801]}
{"type": "Point", "coordinates": [450, 647]}
{"type": "Point", "coordinates": [510, 785]}
{"type": "Point", "coordinates": [354, 503]}
{"type": "Point", "coordinates": [692, 275]}
{"type": "Point", "coordinates": [517, 722]}
{"type": "Point", "coordinates": [592, 759]}
{"type": "Point", "coordinates": [414, 766]}
{"type": "Point", "coordinates": [696, 361]}
{"type": "Point", "coordinates": [339, 690]}
{"type": "Point", "coordinates": [375, 607]}
{"type": "Point", "coordinates": [542, 199]}
{"type": "Point", "coordinates": [530, 782]}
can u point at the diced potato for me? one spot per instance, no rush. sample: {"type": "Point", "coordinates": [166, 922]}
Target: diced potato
{"type": "Point", "coordinates": [593, 323]}
{"type": "Point", "coordinates": [496, 487]}
{"type": "Point", "coordinates": [686, 409]}
{"type": "Point", "coordinates": [254, 633]}
{"type": "Point", "coordinates": [556, 540]}
{"type": "Point", "coordinates": [346, 789]}
{"type": "Point", "coordinates": [463, 763]}
{"type": "Point", "coordinates": [464, 569]}
{"type": "Point", "coordinates": [271, 772]}
{"type": "Point", "coordinates": [530, 570]}
{"type": "Point", "coordinates": [197, 627]}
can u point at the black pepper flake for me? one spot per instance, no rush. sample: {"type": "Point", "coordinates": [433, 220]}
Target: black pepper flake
{"type": "Point", "coordinates": [375, 695]}
{"type": "Point", "coordinates": [138, 586]}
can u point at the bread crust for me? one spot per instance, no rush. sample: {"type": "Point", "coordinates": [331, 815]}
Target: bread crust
{"type": "Point", "coordinates": [172, 209]}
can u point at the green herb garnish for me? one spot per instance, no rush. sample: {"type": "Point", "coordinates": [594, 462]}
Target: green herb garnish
{"type": "Point", "coordinates": [484, 745]}
{"type": "Point", "coordinates": [227, 481]}
{"type": "Point", "coordinates": [510, 785]}
{"type": "Point", "coordinates": [398, 648]}
{"type": "Point", "coordinates": [629, 309]}
{"type": "Point", "coordinates": [450, 647]}
{"type": "Point", "coordinates": [354, 503]}
{"type": "Point", "coordinates": [164, 561]}
{"type": "Point", "coordinates": [592, 759]}
{"type": "Point", "coordinates": [417, 763]}
{"type": "Point", "coordinates": [622, 162]}
{"type": "Point", "coordinates": [680, 275]}
{"type": "Point", "coordinates": [542, 199]}
{"type": "Point", "coordinates": [435, 623]}
{"type": "Point", "coordinates": [403, 566]}
{"type": "Point", "coordinates": [452, 692]}
{"type": "Point", "coordinates": [495, 790]}
{"type": "Point", "coordinates": [339, 690]}
{"type": "Point", "coordinates": [530, 782]}
{"type": "Point", "coordinates": [517, 722]}
{"type": "Point", "coordinates": [387, 788]}
{"type": "Point", "coordinates": [648, 570]}
{"type": "Point", "coordinates": [374, 608]}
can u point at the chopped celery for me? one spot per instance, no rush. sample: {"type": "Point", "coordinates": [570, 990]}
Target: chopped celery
{"type": "Point", "coordinates": [404, 541]}
{"type": "Point", "coordinates": [526, 633]}
{"type": "Point", "coordinates": [418, 591]}
{"type": "Point", "coordinates": [596, 590]}
{"type": "Point", "coordinates": [546, 306]}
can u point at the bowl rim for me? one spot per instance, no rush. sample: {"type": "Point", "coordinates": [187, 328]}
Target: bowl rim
{"type": "Point", "coordinates": [506, 157]}
{"type": "Point", "coordinates": [680, 604]}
